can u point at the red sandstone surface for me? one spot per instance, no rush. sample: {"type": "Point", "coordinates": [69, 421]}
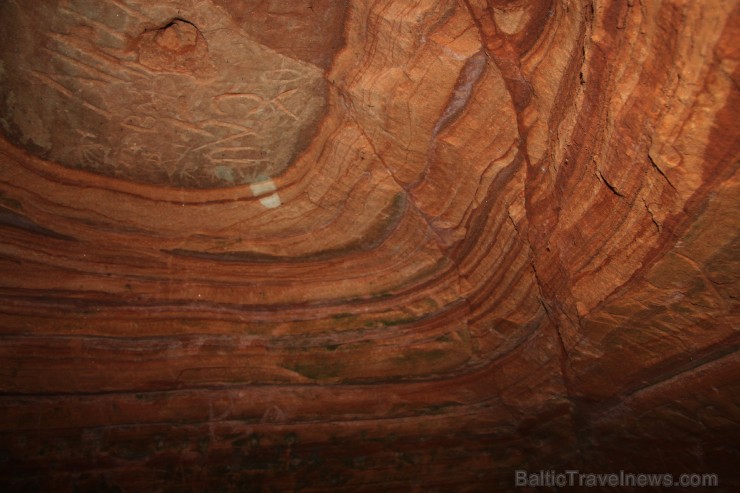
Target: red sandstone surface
{"type": "Point", "coordinates": [367, 245]}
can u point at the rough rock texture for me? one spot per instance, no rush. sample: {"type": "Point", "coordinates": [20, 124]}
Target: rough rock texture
{"type": "Point", "coordinates": [134, 90]}
{"type": "Point", "coordinates": [366, 245]}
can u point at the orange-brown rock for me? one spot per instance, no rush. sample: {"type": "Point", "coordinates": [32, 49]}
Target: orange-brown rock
{"type": "Point", "coordinates": [367, 245]}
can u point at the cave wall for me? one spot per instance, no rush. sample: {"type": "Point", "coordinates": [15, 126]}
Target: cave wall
{"type": "Point", "coordinates": [380, 245]}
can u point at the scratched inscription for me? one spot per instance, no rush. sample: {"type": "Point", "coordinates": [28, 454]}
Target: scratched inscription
{"type": "Point", "coordinates": [166, 93]}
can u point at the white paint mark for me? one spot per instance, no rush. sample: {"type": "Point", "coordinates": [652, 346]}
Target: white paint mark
{"type": "Point", "coordinates": [263, 187]}
{"type": "Point", "coordinates": [271, 201]}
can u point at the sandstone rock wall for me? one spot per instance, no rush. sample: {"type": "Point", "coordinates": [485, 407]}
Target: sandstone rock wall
{"type": "Point", "coordinates": [382, 245]}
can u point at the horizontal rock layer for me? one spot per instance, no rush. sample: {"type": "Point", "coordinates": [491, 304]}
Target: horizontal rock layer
{"type": "Point", "coordinates": [297, 246]}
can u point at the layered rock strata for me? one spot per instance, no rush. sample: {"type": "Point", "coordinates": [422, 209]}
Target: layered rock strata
{"type": "Point", "coordinates": [364, 246]}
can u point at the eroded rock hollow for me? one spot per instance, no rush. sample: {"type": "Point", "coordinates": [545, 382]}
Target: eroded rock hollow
{"type": "Point", "coordinates": [367, 245]}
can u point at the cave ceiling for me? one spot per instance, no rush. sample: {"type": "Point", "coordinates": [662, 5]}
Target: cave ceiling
{"type": "Point", "coordinates": [366, 245]}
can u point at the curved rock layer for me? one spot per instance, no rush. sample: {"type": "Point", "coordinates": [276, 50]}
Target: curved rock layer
{"type": "Point", "coordinates": [382, 245]}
